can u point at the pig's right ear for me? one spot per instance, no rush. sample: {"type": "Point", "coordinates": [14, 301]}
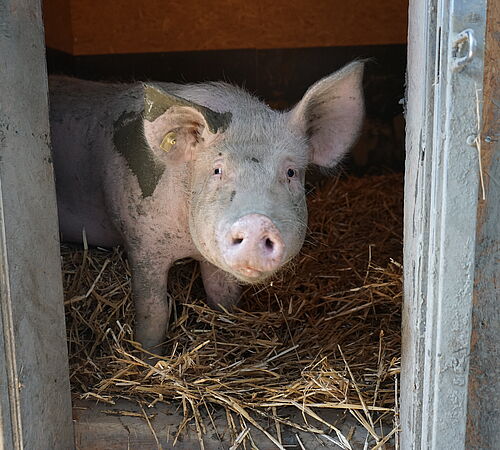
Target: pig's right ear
{"type": "Point", "coordinates": [178, 127]}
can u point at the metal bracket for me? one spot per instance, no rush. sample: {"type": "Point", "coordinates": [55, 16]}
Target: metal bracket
{"type": "Point", "coordinates": [463, 50]}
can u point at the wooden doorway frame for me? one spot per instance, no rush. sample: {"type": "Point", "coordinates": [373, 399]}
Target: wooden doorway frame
{"type": "Point", "coordinates": [35, 404]}
{"type": "Point", "coordinates": [451, 234]}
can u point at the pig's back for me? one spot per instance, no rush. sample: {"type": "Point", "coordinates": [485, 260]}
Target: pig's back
{"type": "Point", "coordinates": [82, 115]}
{"type": "Point", "coordinates": [85, 99]}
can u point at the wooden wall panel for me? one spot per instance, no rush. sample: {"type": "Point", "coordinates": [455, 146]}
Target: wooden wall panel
{"type": "Point", "coordinates": [58, 26]}
{"type": "Point", "coordinates": [131, 26]}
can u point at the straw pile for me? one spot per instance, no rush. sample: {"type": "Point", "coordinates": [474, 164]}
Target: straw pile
{"type": "Point", "coordinates": [323, 334]}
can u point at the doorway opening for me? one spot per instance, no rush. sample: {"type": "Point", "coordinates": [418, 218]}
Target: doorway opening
{"type": "Point", "coordinates": [314, 354]}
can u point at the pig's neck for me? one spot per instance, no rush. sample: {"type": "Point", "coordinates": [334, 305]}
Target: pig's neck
{"type": "Point", "coordinates": [154, 204]}
{"type": "Point", "coordinates": [163, 221]}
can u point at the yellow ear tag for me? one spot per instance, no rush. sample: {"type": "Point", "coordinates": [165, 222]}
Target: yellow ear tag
{"type": "Point", "coordinates": [168, 141]}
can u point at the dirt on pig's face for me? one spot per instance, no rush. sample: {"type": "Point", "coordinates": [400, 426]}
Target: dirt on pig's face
{"type": "Point", "coordinates": [247, 211]}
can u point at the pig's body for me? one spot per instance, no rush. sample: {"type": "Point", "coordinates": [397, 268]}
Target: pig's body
{"type": "Point", "coordinates": [149, 168]}
{"type": "Point", "coordinates": [82, 114]}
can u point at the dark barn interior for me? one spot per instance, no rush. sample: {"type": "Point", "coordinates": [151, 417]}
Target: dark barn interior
{"type": "Point", "coordinates": [279, 51]}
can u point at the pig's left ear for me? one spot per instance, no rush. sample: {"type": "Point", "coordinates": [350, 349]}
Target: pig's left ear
{"type": "Point", "coordinates": [175, 126]}
{"type": "Point", "coordinates": [330, 114]}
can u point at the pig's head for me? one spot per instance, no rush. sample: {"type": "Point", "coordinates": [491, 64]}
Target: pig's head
{"type": "Point", "coordinates": [246, 163]}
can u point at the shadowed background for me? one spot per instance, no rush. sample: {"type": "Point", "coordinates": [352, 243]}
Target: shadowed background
{"type": "Point", "coordinates": [274, 48]}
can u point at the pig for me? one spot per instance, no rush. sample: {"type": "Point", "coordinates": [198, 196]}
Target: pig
{"type": "Point", "coordinates": [205, 171]}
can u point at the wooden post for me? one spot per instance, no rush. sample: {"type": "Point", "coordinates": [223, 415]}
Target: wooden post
{"type": "Point", "coordinates": [35, 406]}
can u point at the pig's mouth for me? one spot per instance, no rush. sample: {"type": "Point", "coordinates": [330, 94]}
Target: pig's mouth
{"type": "Point", "coordinates": [250, 272]}
{"type": "Point", "coordinates": [250, 275]}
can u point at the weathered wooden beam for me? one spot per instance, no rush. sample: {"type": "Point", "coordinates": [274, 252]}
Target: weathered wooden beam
{"type": "Point", "coordinates": [131, 26]}
{"type": "Point", "coordinates": [124, 425]}
{"type": "Point", "coordinates": [35, 408]}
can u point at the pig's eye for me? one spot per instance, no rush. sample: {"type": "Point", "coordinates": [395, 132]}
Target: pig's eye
{"type": "Point", "coordinates": [218, 171]}
{"type": "Point", "coordinates": [290, 173]}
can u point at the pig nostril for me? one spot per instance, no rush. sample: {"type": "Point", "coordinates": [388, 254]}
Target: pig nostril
{"type": "Point", "coordinates": [237, 241]}
{"type": "Point", "coordinates": [269, 244]}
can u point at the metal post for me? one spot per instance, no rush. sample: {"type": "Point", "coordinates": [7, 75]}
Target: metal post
{"type": "Point", "coordinates": [445, 77]}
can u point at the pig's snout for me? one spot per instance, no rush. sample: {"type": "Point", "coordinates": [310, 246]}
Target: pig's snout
{"type": "Point", "coordinates": [253, 247]}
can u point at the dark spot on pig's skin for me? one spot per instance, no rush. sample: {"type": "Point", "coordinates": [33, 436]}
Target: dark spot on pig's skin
{"type": "Point", "coordinates": [232, 196]}
{"type": "Point", "coordinates": [311, 131]}
{"type": "Point", "coordinates": [255, 160]}
{"type": "Point", "coordinates": [140, 209]}
{"type": "Point", "coordinates": [129, 142]}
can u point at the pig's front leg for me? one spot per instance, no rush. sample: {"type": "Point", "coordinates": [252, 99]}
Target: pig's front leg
{"type": "Point", "coordinates": [152, 303]}
{"type": "Point", "coordinates": [221, 289]}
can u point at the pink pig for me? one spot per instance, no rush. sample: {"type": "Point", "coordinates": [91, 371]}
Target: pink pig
{"type": "Point", "coordinates": [205, 171]}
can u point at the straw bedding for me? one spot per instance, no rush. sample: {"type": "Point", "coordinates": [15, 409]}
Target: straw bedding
{"type": "Point", "coordinates": [324, 333]}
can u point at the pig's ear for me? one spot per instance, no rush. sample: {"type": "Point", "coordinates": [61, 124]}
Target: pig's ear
{"type": "Point", "coordinates": [330, 114]}
{"type": "Point", "coordinates": [176, 126]}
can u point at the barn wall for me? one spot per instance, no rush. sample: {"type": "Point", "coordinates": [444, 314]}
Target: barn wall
{"type": "Point", "coordinates": [58, 27]}
{"type": "Point", "coordinates": [129, 26]}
